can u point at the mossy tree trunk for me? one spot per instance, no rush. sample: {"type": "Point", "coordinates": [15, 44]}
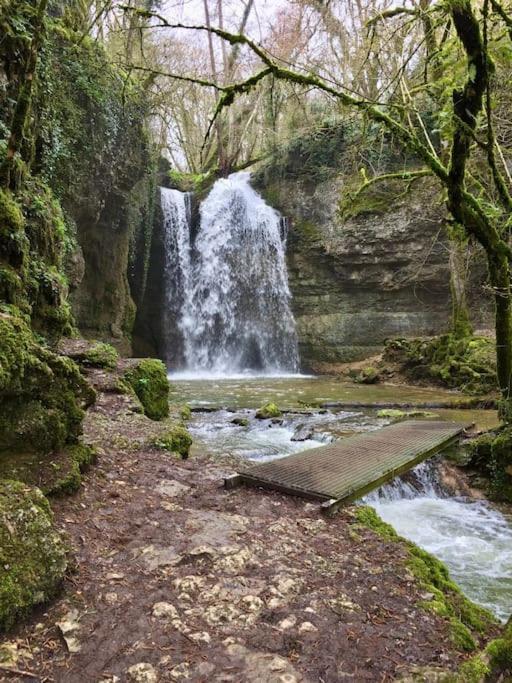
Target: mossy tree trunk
{"type": "Point", "coordinates": [461, 324]}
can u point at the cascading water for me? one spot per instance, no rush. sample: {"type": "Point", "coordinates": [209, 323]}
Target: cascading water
{"type": "Point", "coordinates": [473, 538]}
{"type": "Point", "coordinates": [177, 274]}
{"type": "Point", "coordinates": [231, 285]}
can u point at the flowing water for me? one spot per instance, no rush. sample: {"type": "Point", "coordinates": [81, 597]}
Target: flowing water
{"type": "Point", "coordinates": [230, 283]}
{"type": "Point", "coordinates": [472, 537]}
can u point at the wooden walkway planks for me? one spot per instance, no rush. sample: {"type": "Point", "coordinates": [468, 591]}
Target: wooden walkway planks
{"type": "Point", "coordinates": [347, 469]}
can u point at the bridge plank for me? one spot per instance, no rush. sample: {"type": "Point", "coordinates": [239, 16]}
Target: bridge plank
{"type": "Point", "coordinates": [349, 468]}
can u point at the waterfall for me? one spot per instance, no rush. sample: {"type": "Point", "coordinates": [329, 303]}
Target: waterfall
{"type": "Point", "coordinates": [177, 263]}
{"type": "Point", "coordinates": [231, 284]}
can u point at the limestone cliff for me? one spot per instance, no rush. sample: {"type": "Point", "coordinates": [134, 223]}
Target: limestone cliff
{"type": "Point", "coordinates": [375, 270]}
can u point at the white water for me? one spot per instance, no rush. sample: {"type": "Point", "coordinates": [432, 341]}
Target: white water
{"type": "Point", "coordinates": [471, 537]}
{"type": "Point", "coordinates": [177, 275]}
{"type": "Point", "coordinates": [232, 287]}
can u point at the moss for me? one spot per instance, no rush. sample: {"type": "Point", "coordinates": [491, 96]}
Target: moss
{"type": "Point", "coordinates": [185, 412]}
{"type": "Point", "coordinates": [13, 242]}
{"type": "Point", "coordinates": [240, 421]}
{"type": "Point", "coordinates": [474, 670]}
{"type": "Point", "coordinates": [467, 363]}
{"type": "Point", "coordinates": [176, 440]}
{"type": "Point", "coordinates": [500, 465]}
{"type": "Point", "coordinates": [42, 395]}
{"type": "Point", "coordinates": [392, 413]}
{"type": "Point", "coordinates": [268, 411]}
{"type": "Point", "coordinates": [149, 381]}
{"type": "Point", "coordinates": [368, 375]}
{"type": "Point", "coordinates": [465, 619]}
{"type": "Point", "coordinates": [101, 355]}
{"type": "Point", "coordinates": [32, 555]}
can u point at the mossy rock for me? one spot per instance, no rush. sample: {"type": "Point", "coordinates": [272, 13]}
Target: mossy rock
{"type": "Point", "coordinates": [268, 411]}
{"type": "Point", "coordinates": [42, 395]}
{"type": "Point", "coordinates": [240, 421]}
{"type": "Point", "coordinates": [32, 554]}
{"type": "Point", "coordinates": [149, 381]}
{"type": "Point", "coordinates": [368, 375]}
{"type": "Point", "coordinates": [175, 440]}
{"type": "Point", "coordinates": [185, 412]}
{"type": "Point", "coordinates": [55, 474]}
{"type": "Point", "coordinates": [392, 414]}
{"type": "Point", "coordinates": [101, 355]}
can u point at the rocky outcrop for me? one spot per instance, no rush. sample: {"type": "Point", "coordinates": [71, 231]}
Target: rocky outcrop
{"type": "Point", "coordinates": [382, 272]}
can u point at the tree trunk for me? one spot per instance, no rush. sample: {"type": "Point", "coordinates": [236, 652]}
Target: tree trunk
{"type": "Point", "coordinates": [499, 273]}
{"type": "Point", "coordinates": [461, 325]}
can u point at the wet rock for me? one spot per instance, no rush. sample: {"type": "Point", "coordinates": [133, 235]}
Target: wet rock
{"type": "Point", "coordinates": [240, 421]}
{"type": "Point", "coordinates": [156, 557]}
{"type": "Point", "coordinates": [302, 432]}
{"type": "Point", "coordinates": [143, 672]}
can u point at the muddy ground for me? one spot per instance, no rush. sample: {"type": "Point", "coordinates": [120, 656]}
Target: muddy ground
{"type": "Point", "coordinates": [176, 578]}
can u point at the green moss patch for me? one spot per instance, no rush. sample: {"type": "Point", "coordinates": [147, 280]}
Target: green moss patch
{"type": "Point", "coordinates": [32, 555]}
{"type": "Point", "coordinates": [101, 355]}
{"type": "Point", "coordinates": [56, 473]}
{"type": "Point", "coordinates": [268, 411]}
{"type": "Point", "coordinates": [175, 440]}
{"type": "Point", "coordinates": [467, 363]}
{"type": "Point", "coordinates": [42, 395]}
{"type": "Point", "coordinates": [467, 621]}
{"type": "Point", "coordinates": [149, 381]}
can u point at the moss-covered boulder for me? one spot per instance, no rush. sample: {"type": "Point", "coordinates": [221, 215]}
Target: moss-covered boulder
{"type": "Point", "coordinates": [148, 379]}
{"type": "Point", "coordinates": [42, 394]}
{"type": "Point", "coordinates": [268, 412]}
{"type": "Point", "coordinates": [491, 454]}
{"type": "Point", "coordinates": [32, 555]}
{"type": "Point", "coordinates": [101, 355]}
{"type": "Point", "coordinates": [368, 375]}
{"type": "Point", "coordinates": [175, 440]}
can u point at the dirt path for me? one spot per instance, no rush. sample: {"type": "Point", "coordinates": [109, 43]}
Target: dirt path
{"type": "Point", "coordinates": [178, 579]}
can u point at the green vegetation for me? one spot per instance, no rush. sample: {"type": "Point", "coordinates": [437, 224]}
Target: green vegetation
{"type": "Point", "coordinates": [148, 380]}
{"type": "Point", "coordinates": [467, 363]}
{"type": "Point", "coordinates": [268, 411]}
{"type": "Point", "coordinates": [175, 440]}
{"type": "Point", "coordinates": [32, 555]}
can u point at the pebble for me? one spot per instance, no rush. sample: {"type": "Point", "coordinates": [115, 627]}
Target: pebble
{"type": "Point", "coordinates": [142, 673]}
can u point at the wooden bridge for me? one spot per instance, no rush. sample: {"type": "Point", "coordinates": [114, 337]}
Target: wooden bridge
{"type": "Point", "coordinates": [348, 469]}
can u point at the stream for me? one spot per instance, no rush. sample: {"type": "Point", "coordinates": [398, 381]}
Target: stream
{"type": "Point", "coordinates": [472, 537]}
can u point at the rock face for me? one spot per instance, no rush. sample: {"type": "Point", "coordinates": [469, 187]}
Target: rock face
{"type": "Point", "coordinates": [355, 282]}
